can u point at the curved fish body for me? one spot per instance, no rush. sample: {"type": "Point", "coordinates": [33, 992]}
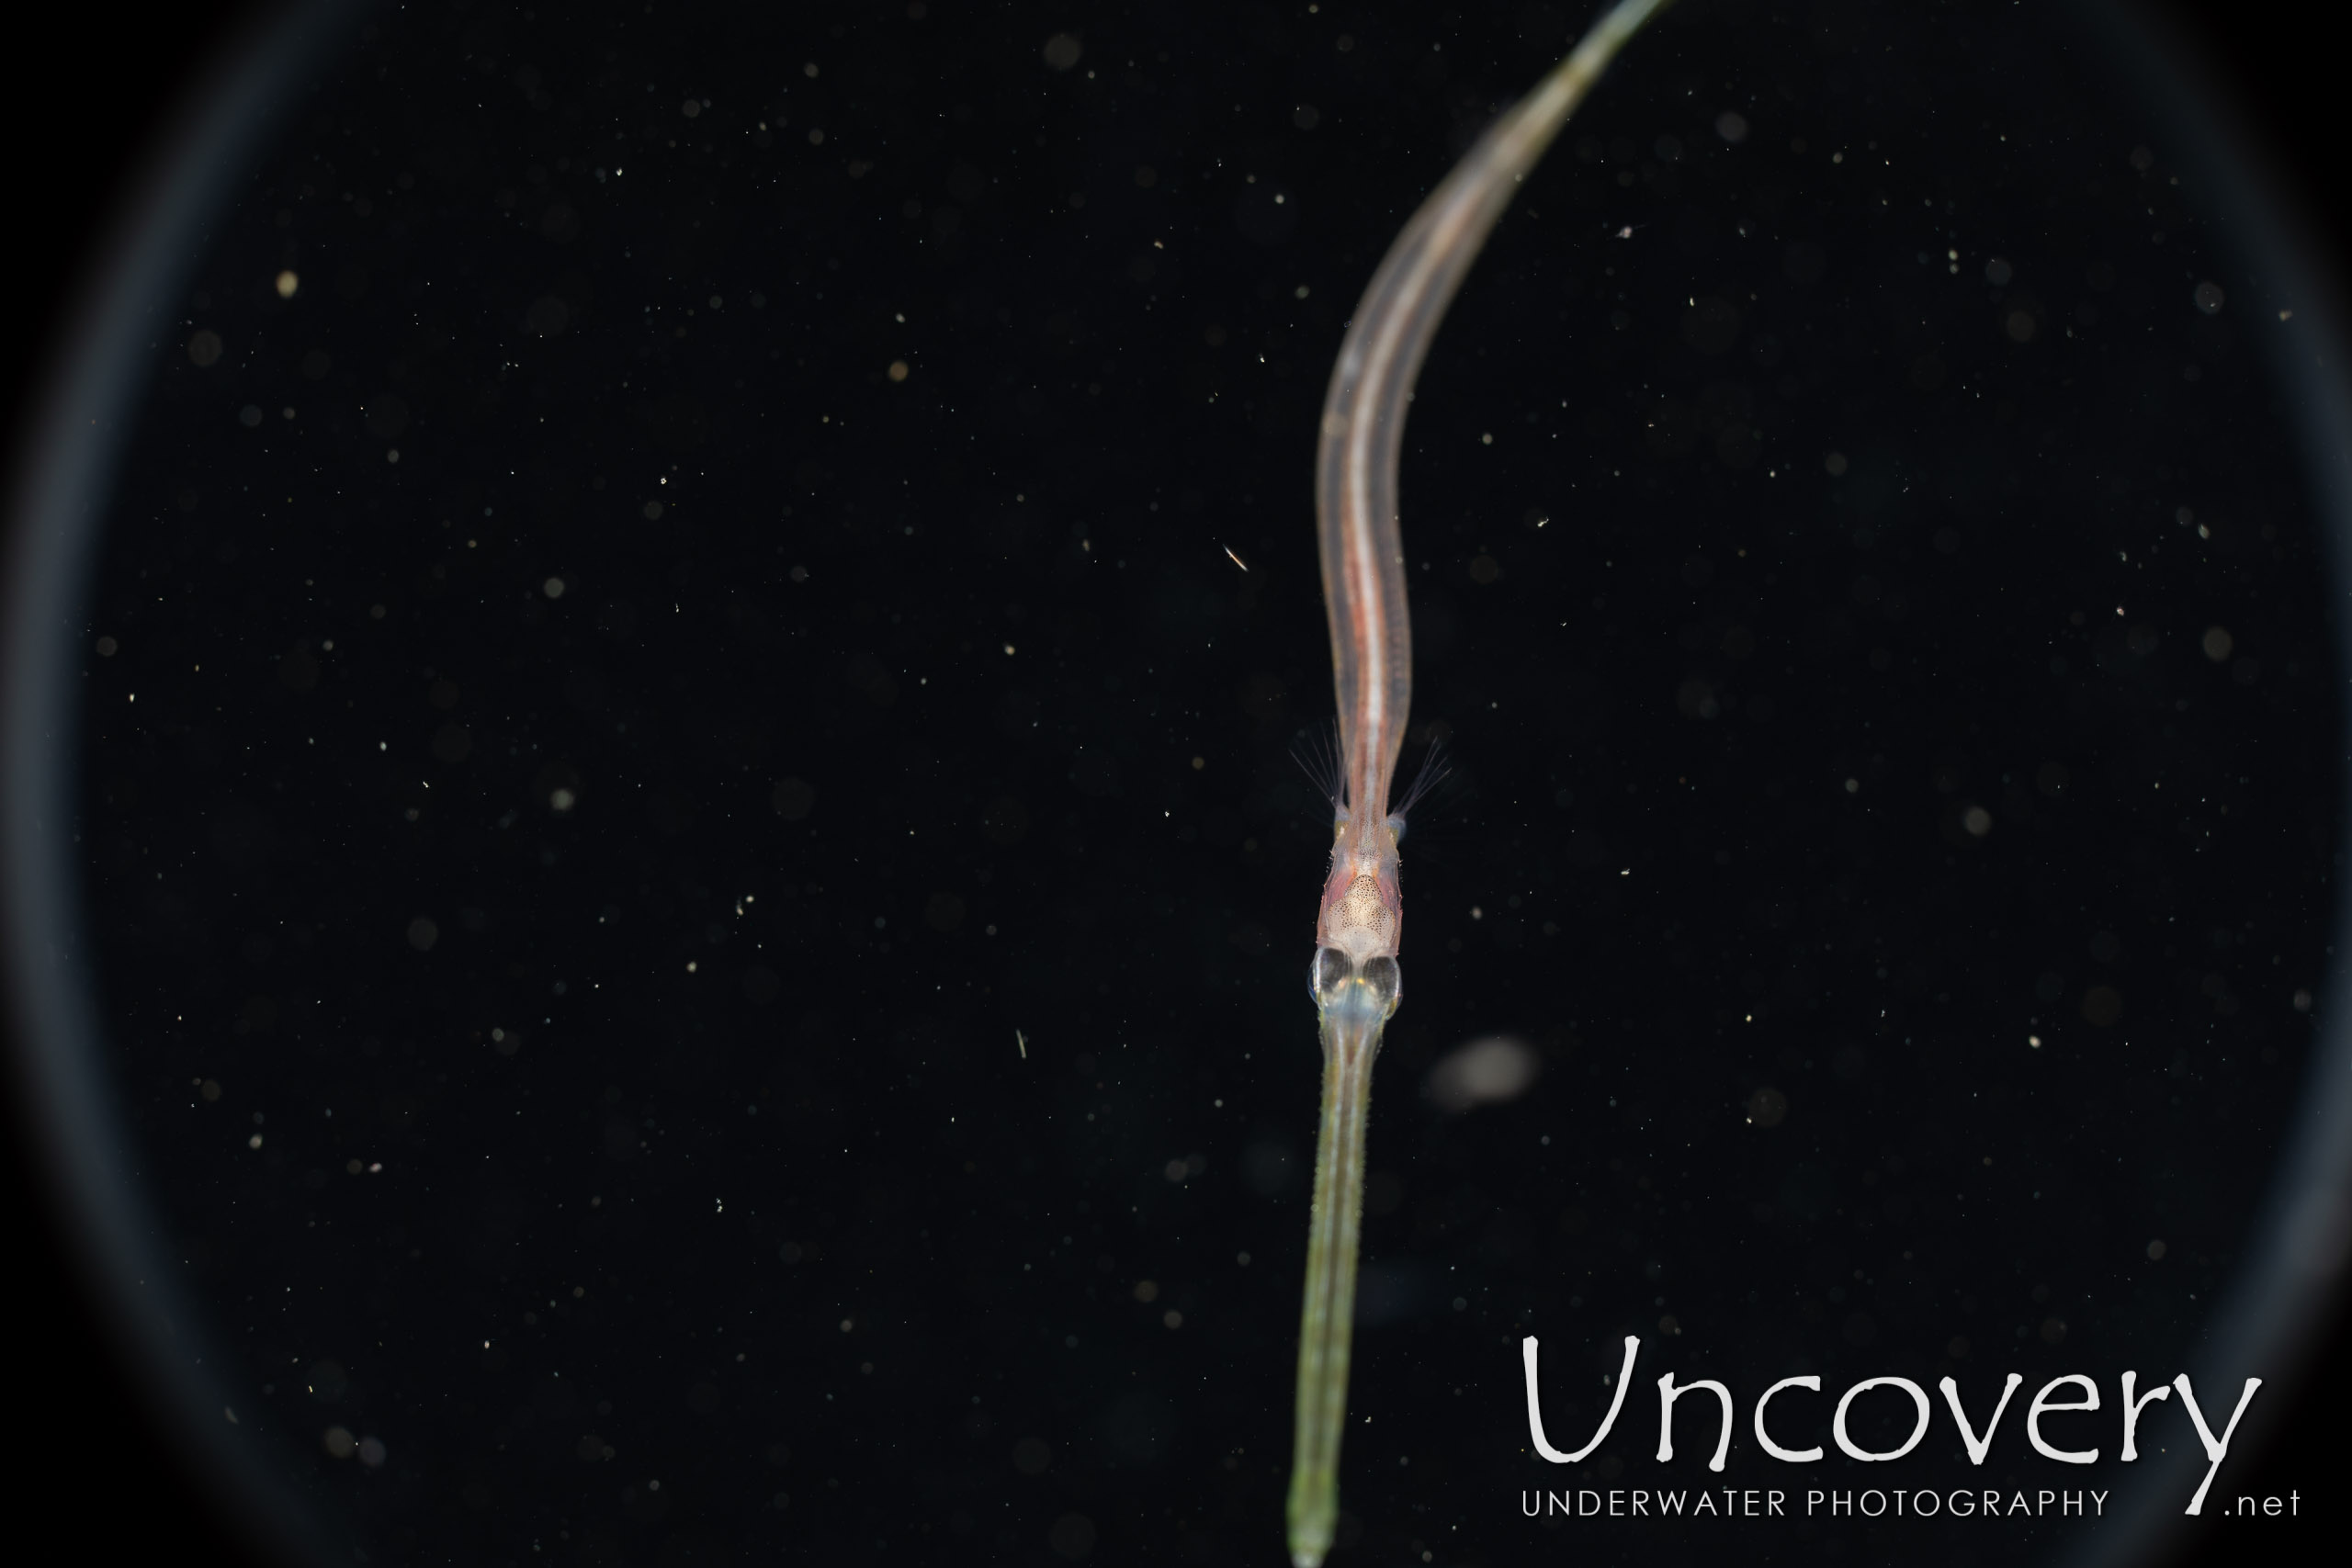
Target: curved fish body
{"type": "Point", "coordinates": [1360, 926]}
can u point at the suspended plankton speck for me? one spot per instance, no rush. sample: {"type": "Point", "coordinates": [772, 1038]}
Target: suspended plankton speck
{"type": "Point", "coordinates": [1498, 1069]}
{"type": "Point", "coordinates": [1022, 1041]}
{"type": "Point", "coordinates": [287, 282]}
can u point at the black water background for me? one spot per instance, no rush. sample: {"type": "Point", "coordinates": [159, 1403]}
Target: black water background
{"type": "Point", "coordinates": [1666, 663]}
